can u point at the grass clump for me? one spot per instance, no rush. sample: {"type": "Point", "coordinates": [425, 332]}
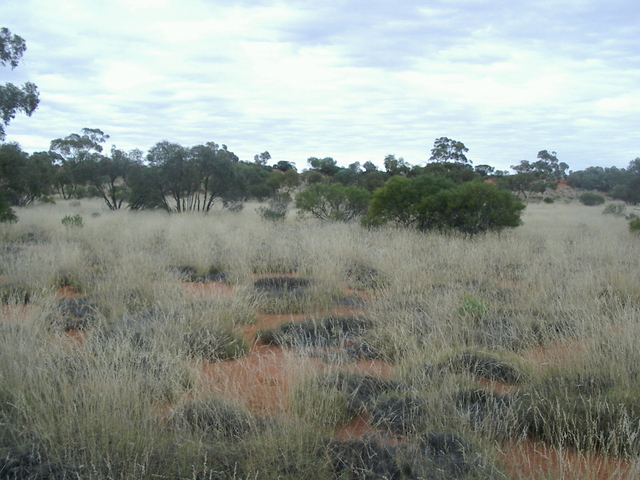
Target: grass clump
{"type": "Point", "coordinates": [286, 294]}
{"type": "Point", "coordinates": [215, 418]}
{"type": "Point", "coordinates": [491, 366]}
{"type": "Point", "coordinates": [208, 343]}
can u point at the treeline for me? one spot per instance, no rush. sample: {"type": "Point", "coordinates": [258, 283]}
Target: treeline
{"type": "Point", "coordinates": [445, 193]}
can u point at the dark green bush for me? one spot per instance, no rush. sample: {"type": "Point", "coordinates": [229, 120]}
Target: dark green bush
{"type": "Point", "coordinates": [334, 201]}
{"type": "Point", "coordinates": [72, 221]}
{"type": "Point", "coordinates": [470, 208]}
{"type": "Point", "coordinates": [591, 199]}
{"type": "Point", "coordinates": [548, 200]}
{"type": "Point", "coordinates": [634, 226]}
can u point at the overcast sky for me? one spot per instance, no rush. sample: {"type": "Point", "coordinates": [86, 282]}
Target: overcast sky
{"type": "Point", "coordinates": [354, 80]}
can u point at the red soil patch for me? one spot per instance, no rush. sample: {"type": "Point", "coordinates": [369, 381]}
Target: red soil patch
{"type": "Point", "coordinates": [67, 292]}
{"type": "Point", "coordinates": [260, 380]}
{"type": "Point", "coordinates": [560, 352]}
{"type": "Point", "coordinates": [17, 313]}
{"type": "Point", "coordinates": [530, 460]}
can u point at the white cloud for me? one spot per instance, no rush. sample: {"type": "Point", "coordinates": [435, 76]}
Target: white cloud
{"type": "Point", "coordinates": [353, 80]}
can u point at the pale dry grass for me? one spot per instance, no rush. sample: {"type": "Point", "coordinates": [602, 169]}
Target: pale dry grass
{"type": "Point", "coordinates": [569, 274]}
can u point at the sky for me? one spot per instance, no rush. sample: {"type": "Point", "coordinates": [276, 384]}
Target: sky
{"type": "Point", "coordinates": [352, 80]}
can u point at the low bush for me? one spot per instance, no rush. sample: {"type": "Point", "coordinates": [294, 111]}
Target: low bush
{"type": "Point", "coordinates": [616, 209]}
{"type": "Point", "coordinates": [72, 221]}
{"type": "Point", "coordinates": [591, 199]}
{"type": "Point", "coordinates": [634, 226]}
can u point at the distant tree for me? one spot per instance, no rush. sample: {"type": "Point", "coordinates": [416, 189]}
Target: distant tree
{"type": "Point", "coordinates": [457, 172]}
{"type": "Point", "coordinates": [262, 158]}
{"type": "Point", "coordinates": [396, 166]}
{"type": "Point", "coordinates": [73, 152]}
{"type": "Point", "coordinates": [628, 188]}
{"type": "Point", "coordinates": [333, 201]}
{"type": "Point", "coordinates": [283, 166]}
{"type": "Point", "coordinates": [109, 176]}
{"type": "Point", "coordinates": [193, 178]}
{"type": "Point", "coordinates": [538, 176]}
{"type": "Point", "coordinates": [448, 150]}
{"type": "Point", "coordinates": [24, 178]}
{"type": "Point", "coordinates": [484, 170]}
{"type": "Point", "coordinates": [327, 166]}
{"type": "Point", "coordinates": [14, 99]}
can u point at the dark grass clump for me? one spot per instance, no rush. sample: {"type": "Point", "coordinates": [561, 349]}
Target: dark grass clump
{"type": "Point", "coordinates": [328, 331]}
{"type": "Point", "coordinates": [485, 365]}
{"type": "Point", "coordinates": [443, 456]}
{"type": "Point", "coordinates": [433, 456]}
{"type": "Point", "coordinates": [209, 343]}
{"type": "Point", "coordinates": [329, 338]}
{"type": "Point", "coordinates": [74, 314]}
{"type": "Point", "coordinates": [363, 277]}
{"type": "Point", "coordinates": [186, 273]}
{"type": "Point", "coordinates": [362, 391]}
{"type": "Point", "coordinates": [29, 463]}
{"type": "Point", "coordinates": [364, 459]}
{"type": "Point", "coordinates": [401, 414]}
{"type": "Point", "coordinates": [215, 418]}
{"type": "Point", "coordinates": [281, 286]}
{"type": "Point", "coordinates": [487, 411]}
{"type": "Point", "coordinates": [594, 412]}
{"type": "Point", "coordinates": [15, 293]}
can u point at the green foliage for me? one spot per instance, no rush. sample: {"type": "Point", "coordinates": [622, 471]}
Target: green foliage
{"type": "Point", "coordinates": [473, 307]}
{"type": "Point", "coordinates": [448, 150]}
{"type": "Point", "coordinates": [277, 210]}
{"type": "Point", "coordinates": [14, 99]}
{"type": "Point", "coordinates": [72, 221]}
{"type": "Point", "coordinates": [399, 199]}
{"type": "Point", "coordinates": [470, 208]}
{"type": "Point", "coordinates": [591, 199]}
{"type": "Point", "coordinates": [333, 202]}
{"type": "Point", "coordinates": [7, 215]}
{"type": "Point", "coordinates": [634, 226]}
{"type": "Point", "coordinates": [548, 200]}
{"type": "Point", "coordinates": [430, 202]}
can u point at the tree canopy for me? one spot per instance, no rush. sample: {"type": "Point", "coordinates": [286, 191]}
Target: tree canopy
{"type": "Point", "coordinates": [14, 99]}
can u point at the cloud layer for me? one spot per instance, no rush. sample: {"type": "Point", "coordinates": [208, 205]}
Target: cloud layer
{"type": "Point", "coordinates": [354, 80]}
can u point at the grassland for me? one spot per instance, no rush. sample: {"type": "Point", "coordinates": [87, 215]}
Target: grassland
{"type": "Point", "coordinates": [396, 354]}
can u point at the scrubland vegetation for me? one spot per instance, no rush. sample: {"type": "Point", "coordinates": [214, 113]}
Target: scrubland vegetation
{"type": "Point", "coordinates": [489, 343]}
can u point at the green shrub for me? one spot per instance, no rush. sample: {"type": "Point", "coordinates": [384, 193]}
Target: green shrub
{"type": "Point", "coordinates": [333, 202]}
{"type": "Point", "coordinates": [7, 215]}
{"type": "Point", "coordinates": [72, 221]}
{"type": "Point", "coordinates": [634, 226]}
{"type": "Point", "coordinates": [548, 200]}
{"type": "Point", "coordinates": [470, 208]}
{"type": "Point", "coordinates": [591, 199]}
{"type": "Point", "coordinates": [277, 210]}
{"type": "Point", "coordinates": [473, 307]}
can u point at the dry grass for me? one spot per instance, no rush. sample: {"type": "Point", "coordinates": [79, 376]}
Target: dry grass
{"type": "Point", "coordinates": [110, 406]}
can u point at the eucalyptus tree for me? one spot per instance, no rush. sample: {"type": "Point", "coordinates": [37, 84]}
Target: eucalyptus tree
{"type": "Point", "coordinates": [14, 99]}
{"type": "Point", "coordinates": [73, 152]}
{"type": "Point", "coordinates": [192, 178]}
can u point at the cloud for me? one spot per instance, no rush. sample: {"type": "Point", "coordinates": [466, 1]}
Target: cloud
{"type": "Point", "coordinates": [354, 80]}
